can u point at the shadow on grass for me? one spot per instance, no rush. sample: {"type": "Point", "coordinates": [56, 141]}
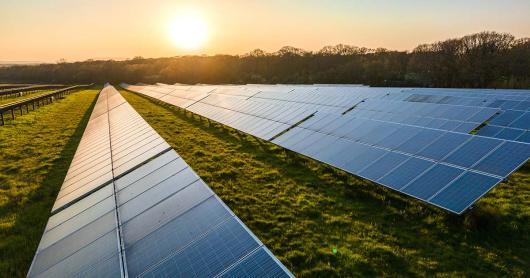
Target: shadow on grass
{"type": "Point", "coordinates": [31, 220]}
{"type": "Point", "coordinates": [403, 236]}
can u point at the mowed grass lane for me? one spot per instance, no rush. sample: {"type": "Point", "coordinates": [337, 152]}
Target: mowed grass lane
{"type": "Point", "coordinates": [35, 152]}
{"type": "Point", "coordinates": [321, 221]}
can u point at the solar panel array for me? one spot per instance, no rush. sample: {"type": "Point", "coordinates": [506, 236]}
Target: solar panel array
{"type": "Point", "coordinates": [511, 121]}
{"type": "Point", "coordinates": [419, 142]}
{"type": "Point", "coordinates": [130, 206]}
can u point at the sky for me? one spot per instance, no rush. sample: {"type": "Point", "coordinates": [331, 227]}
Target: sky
{"type": "Point", "coordinates": [76, 30]}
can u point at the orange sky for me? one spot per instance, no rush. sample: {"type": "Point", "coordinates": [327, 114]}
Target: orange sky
{"type": "Point", "coordinates": [48, 30]}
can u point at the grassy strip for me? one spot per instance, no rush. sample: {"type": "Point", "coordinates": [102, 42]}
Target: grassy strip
{"type": "Point", "coordinates": [9, 99]}
{"type": "Point", "coordinates": [321, 221]}
{"type": "Point", "coordinates": [35, 153]}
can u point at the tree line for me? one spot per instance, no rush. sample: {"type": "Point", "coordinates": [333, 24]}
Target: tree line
{"type": "Point", "coordinates": [482, 60]}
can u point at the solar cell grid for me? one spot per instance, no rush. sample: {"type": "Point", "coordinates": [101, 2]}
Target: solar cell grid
{"type": "Point", "coordinates": [142, 253]}
{"type": "Point", "coordinates": [383, 165]}
{"type": "Point", "coordinates": [432, 181]}
{"type": "Point", "coordinates": [209, 255]}
{"type": "Point", "coordinates": [522, 122]}
{"type": "Point", "coordinates": [91, 258]}
{"type": "Point", "coordinates": [509, 133]}
{"type": "Point", "coordinates": [258, 264]}
{"type": "Point", "coordinates": [464, 191]}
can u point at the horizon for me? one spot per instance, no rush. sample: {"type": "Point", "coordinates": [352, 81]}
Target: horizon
{"type": "Point", "coordinates": [78, 31]}
{"type": "Point", "coordinates": [62, 60]}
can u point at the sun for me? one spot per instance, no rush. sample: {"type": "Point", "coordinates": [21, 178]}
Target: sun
{"type": "Point", "coordinates": [188, 31]}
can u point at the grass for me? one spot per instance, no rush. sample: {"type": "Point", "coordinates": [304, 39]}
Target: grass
{"type": "Point", "coordinates": [35, 153]}
{"type": "Point", "coordinates": [8, 99]}
{"type": "Point", "coordinates": [302, 209]}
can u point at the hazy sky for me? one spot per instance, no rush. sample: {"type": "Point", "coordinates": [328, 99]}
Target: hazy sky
{"type": "Point", "coordinates": [47, 30]}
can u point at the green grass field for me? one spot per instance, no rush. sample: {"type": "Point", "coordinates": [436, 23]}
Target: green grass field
{"type": "Point", "coordinates": [301, 209]}
{"type": "Point", "coordinates": [35, 153]}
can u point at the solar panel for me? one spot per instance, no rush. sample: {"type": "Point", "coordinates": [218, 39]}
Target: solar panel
{"type": "Point", "coordinates": [432, 181]}
{"type": "Point", "coordinates": [509, 133]}
{"type": "Point", "coordinates": [405, 173]}
{"type": "Point", "coordinates": [153, 216]}
{"type": "Point", "coordinates": [416, 141]}
{"type": "Point", "coordinates": [506, 118]}
{"type": "Point", "coordinates": [464, 191]}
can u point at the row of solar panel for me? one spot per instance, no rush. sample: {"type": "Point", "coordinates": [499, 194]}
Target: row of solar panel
{"type": "Point", "coordinates": [513, 119]}
{"type": "Point", "coordinates": [511, 123]}
{"type": "Point", "coordinates": [439, 111]}
{"type": "Point", "coordinates": [102, 153]}
{"type": "Point", "coordinates": [426, 164]}
{"type": "Point", "coordinates": [503, 99]}
{"type": "Point", "coordinates": [405, 157]}
{"type": "Point", "coordinates": [436, 123]}
{"type": "Point", "coordinates": [507, 94]}
{"type": "Point", "coordinates": [448, 117]}
{"type": "Point", "coordinates": [448, 187]}
{"type": "Point", "coordinates": [420, 114]}
{"type": "Point", "coordinates": [342, 90]}
{"type": "Point", "coordinates": [457, 149]}
{"type": "Point", "coordinates": [494, 102]}
{"type": "Point", "coordinates": [506, 133]}
{"type": "Point", "coordinates": [156, 218]}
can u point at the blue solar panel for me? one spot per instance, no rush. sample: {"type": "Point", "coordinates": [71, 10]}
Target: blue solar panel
{"type": "Point", "coordinates": [464, 191]}
{"type": "Point", "coordinates": [208, 255]}
{"type": "Point", "coordinates": [432, 181]}
{"type": "Point", "coordinates": [465, 127]}
{"type": "Point", "coordinates": [363, 159]}
{"type": "Point", "coordinates": [340, 152]}
{"type": "Point", "coordinates": [324, 143]}
{"type": "Point", "coordinates": [103, 269]}
{"type": "Point", "coordinates": [92, 233]}
{"type": "Point", "coordinates": [509, 104]}
{"type": "Point", "coordinates": [398, 137]}
{"type": "Point", "coordinates": [259, 264]}
{"type": "Point", "coordinates": [383, 165]}
{"type": "Point", "coordinates": [472, 151]}
{"type": "Point", "coordinates": [509, 133]}
{"type": "Point", "coordinates": [361, 130]}
{"type": "Point", "coordinates": [506, 118]}
{"type": "Point", "coordinates": [481, 116]}
{"type": "Point", "coordinates": [505, 159]}
{"type": "Point", "coordinates": [523, 105]}
{"type": "Point", "coordinates": [419, 141]}
{"type": "Point", "coordinates": [497, 103]}
{"type": "Point", "coordinates": [444, 145]}
{"type": "Point", "coordinates": [523, 122]}
{"type": "Point", "coordinates": [489, 130]}
{"type": "Point", "coordinates": [450, 125]}
{"type": "Point", "coordinates": [310, 139]}
{"type": "Point", "coordinates": [525, 137]}
{"type": "Point", "coordinates": [175, 235]}
{"type": "Point", "coordinates": [405, 173]}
